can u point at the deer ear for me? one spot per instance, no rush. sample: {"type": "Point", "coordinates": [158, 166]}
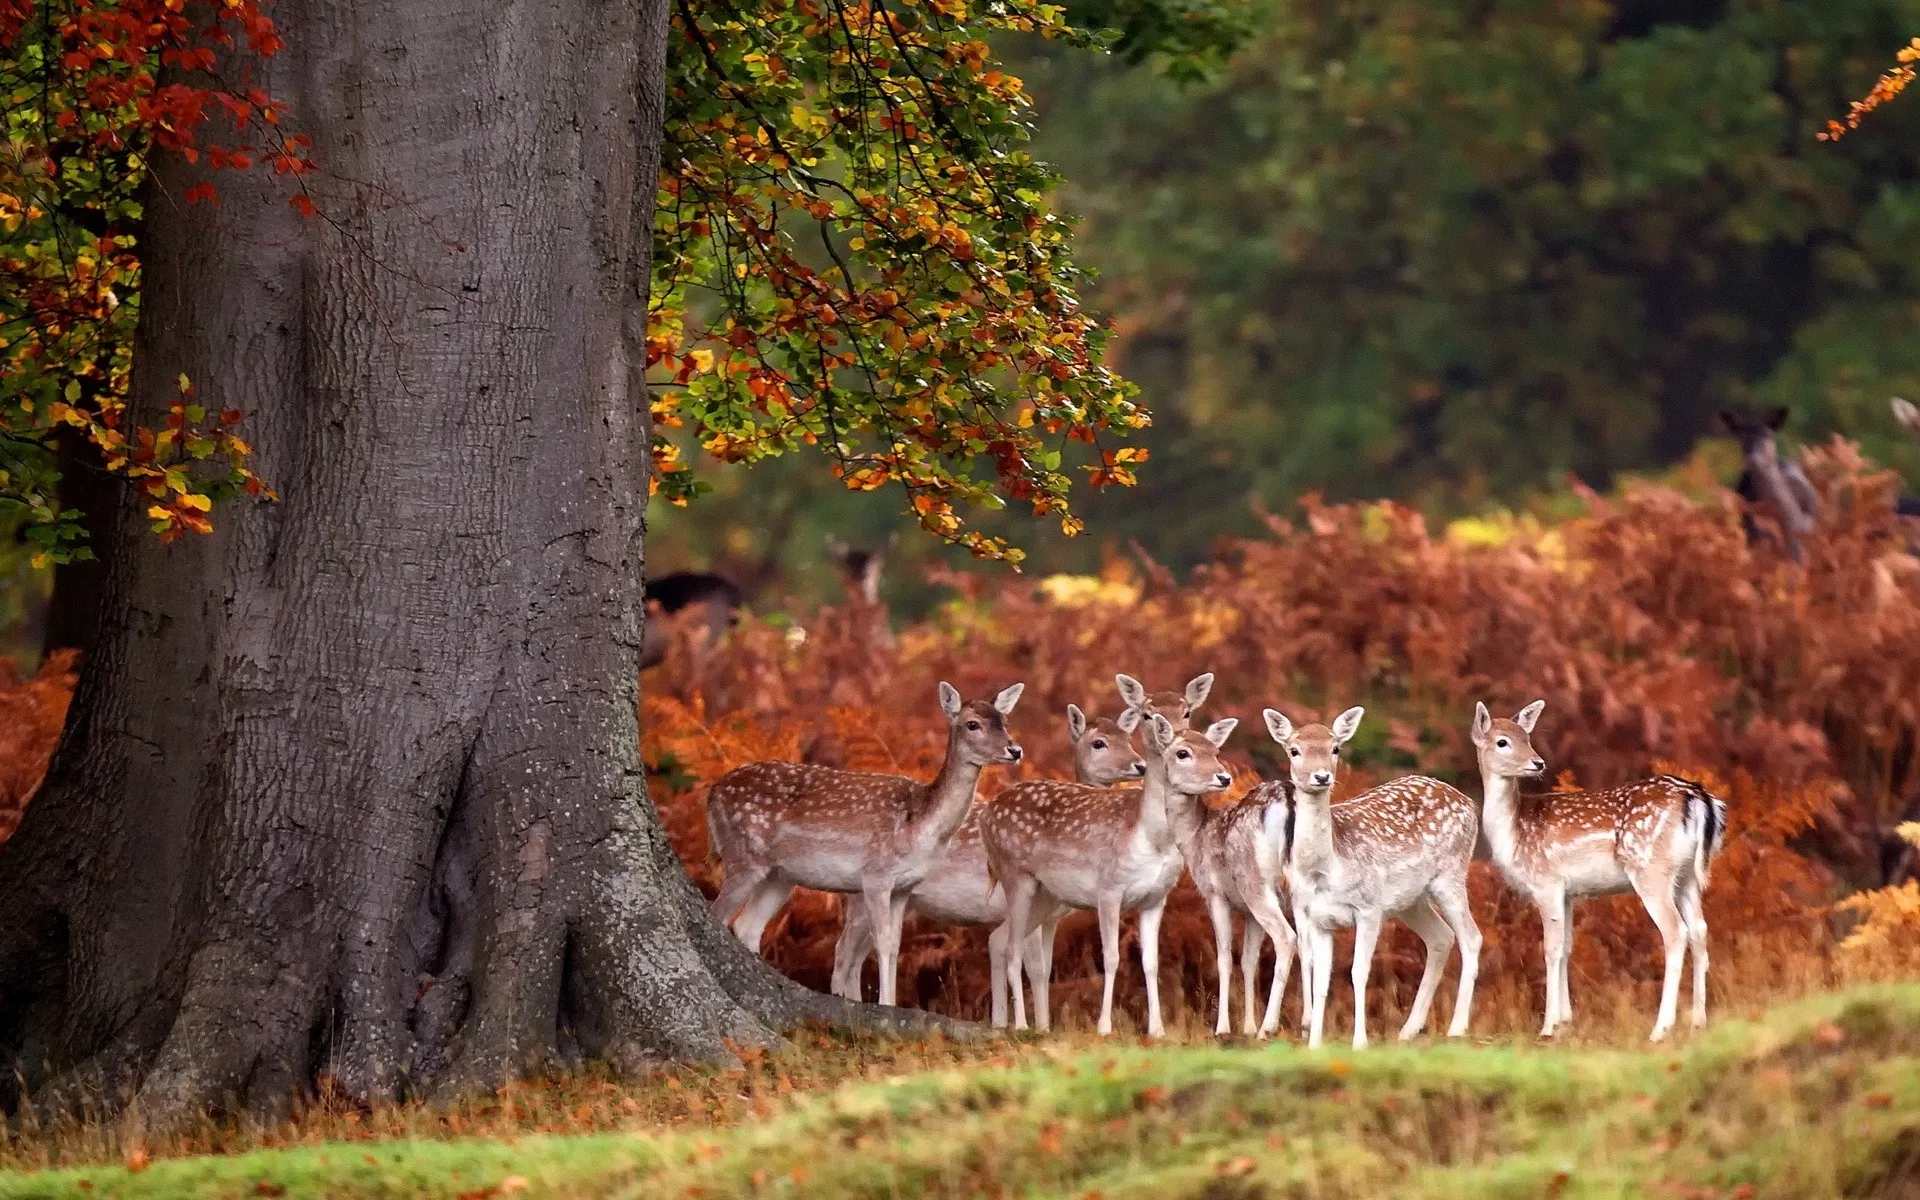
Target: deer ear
{"type": "Point", "coordinates": [949, 700]}
{"type": "Point", "coordinates": [1197, 689]}
{"type": "Point", "coordinates": [1076, 723]}
{"type": "Point", "coordinates": [1004, 702]}
{"type": "Point", "coordinates": [1128, 721]}
{"type": "Point", "coordinates": [1905, 412]}
{"type": "Point", "coordinates": [1347, 724]}
{"type": "Point", "coordinates": [1482, 722]}
{"type": "Point", "coordinates": [1131, 692]}
{"type": "Point", "coordinates": [1527, 716]}
{"type": "Point", "coordinates": [1220, 731]}
{"type": "Point", "coordinates": [1278, 727]}
{"type": "Point", "coordinates": [1159, 734]}
{"type": "Point", "coordinates": [1778, 417]}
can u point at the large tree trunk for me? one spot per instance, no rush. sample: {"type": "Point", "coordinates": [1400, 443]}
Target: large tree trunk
{"type": "Point", "coordinates": [354, 785]}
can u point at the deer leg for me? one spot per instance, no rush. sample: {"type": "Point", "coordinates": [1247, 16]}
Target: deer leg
{"type": "Point", "coordinates": [1019, 905]}
{"type": "Point", "coordinates": [1222, 916]}
{"type": "Point", "coordinates": [850, 952]}
{"type": "Point", "coordinates": [763, 906]}
{"type": "Point", "coordinates": [735, 890]}
{"type": "Point", "coordinates": [1656, 892]}
{"type": "Point", "coordinates": [1108, 911]}
{"type": "Point", "coordinates": [1040, 971]}
{"type": "Point", "coordinates": [878, 894]}
{"type": "Point", "coordinates": [1551, 901]}
{"type": "Point", "coordinates": [1266, 915]}
{"type": "Point", "coordinates": [1322, 971]}
{"type": "Point", "coordinates": [1150, 964]}
{"type": "Point", "coordinates": [1450, 897]}
{"type": "Point", "coordinates": [1366, 934]}
{"type": "Point", "coordinates": [1566, 959]}
{"type": "Point", "coordinates": [1692, 912]}
{"type": "Point", "coordinates": [1252, 937]}
{"type": "Point", "coordinates": [997, 972]}
{"type": "Point", "coordinates": [1439, 940]}
{"type": "Point", "coordinates": [1304, 932]}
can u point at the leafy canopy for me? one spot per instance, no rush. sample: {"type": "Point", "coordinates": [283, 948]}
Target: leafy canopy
{"type": "Point", "coordinates": [854, 250]}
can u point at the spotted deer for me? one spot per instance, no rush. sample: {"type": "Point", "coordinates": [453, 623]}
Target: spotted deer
{"type": "Point", "coordinates": [1073, 846]}
{"type": "Point", "coordinates": [1177, 707]}
{"type": "Point", "coordinates": [958, 891]}
{"type": "Point", "coordinates": [1398, 850]}
{"type": "Point", "coordinates": [1656, 838]}
{"type": "Point", "coordinates": [780, 825]}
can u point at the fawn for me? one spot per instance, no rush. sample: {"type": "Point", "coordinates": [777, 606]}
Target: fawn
{"type": "Point", "coordinates": [1400, 850]}
{"type": "Point", "coordinates": [781, 825]}
{"type": "Point", "coordinates": [1103, 849]}
{"type": "Point", "coordinates": [1657, 838]}
{"type": "Point", "coordinates": [957, 889]}
{"type": "Point", "coordinates": [1237, 857]}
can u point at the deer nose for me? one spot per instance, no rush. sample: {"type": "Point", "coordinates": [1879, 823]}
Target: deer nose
{"type": "Point", "coordinates": [1538, 764]}
{"type": "Point", "coordinates": [1013, 752]}
{"type": "Point", "coordinates": [1139, 767]}
{"type": "Point", "coordinates": [1222, 779]}
{"type": "Point", "coordinates": [1322, 778]}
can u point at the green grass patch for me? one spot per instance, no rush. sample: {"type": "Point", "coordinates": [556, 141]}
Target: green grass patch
{"type": "Point", "coordinates": [1816, 1099]}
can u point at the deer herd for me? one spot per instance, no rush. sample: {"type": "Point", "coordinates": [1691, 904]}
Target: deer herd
{"type": "Point", "coordinates": [1041, 848]}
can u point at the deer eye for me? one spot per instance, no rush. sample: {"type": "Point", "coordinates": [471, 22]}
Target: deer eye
{"type": "Point", "coordinates": [1503, 743]}
{"type": "Point", "coordinates": [1183, 755]}
{"type": "Point", "coordinates": [1099, 745]}
{"type": "Point", "coordinates": [974, 725]}
{"type": "Point", "coordinates": [1295, 752]}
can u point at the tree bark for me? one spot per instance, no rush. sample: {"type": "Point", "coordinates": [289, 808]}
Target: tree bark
{"type": "Point", "coordinates": [354, 784]}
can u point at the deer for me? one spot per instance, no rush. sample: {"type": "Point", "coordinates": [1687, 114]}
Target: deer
{"type": "Point", "coordinates": [1400, 850]}
{"type": "Point", "coordinates": [1237, 857]}
{"type": "Point", "coordinates": [860, 575]}
{"type": "Point", "coordinates": [1773, 478]}
{"type": "Point", "coordinates": [1656, 838]}
{"type": "Point", "coordinates": [1177, 707]}
{"type": "Point", "coordinates": [1102, 849]}
{"type": "Point", "coordinates": [958, 891]}
{"type": "Point", "coordinates": [716, 598]}
{"type": "Point", "coordinates": [780, 825]}
{"type": "Point", "coordinates": [1908, 414]}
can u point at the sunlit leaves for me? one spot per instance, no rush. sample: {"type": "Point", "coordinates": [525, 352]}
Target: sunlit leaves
{"type": "Point", "coordinates": [1885, 88]}
{"type": "Point", "coordinates": [854, 253]}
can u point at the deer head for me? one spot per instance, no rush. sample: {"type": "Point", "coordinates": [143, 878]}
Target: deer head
{"type": "Point", "coordinates": [1313, 751]}
{"type": "Point", "coordinates": [860, 569]}
{"type": "Point", "coordinates": [1505, 747]}
{"type": "Point", "coordinates": [977, 729]}
{"type": "Point", "coordinates": [1176, 707]}
{"type": "Point", "coordinates": [1755, 434]}
{"type": "Point", "coordinates": [1103, 748]}
{"type": "Point", "coordinates": [1191, 760]}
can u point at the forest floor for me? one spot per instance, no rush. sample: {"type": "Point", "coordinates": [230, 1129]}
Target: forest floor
{"type": "Point", "coordinates": [1818, 1097]}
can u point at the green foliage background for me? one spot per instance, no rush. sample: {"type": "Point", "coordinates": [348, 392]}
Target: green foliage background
{"type": "Point", "coordinates": [1443, 250]}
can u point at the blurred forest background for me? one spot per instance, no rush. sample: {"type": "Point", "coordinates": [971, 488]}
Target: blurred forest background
{"type": "Point", "coordinates": [1456, 253]}
{"type": "Point", "coordinates": [1450, 252]}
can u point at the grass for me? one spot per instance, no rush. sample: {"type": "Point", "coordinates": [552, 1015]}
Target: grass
{"type": "Point", "coordinates": [1820, 1097]}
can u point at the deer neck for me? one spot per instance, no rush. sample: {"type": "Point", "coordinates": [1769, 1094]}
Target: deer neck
{"type": "Point", "coordinates": [1157, 802]}
{"type": "Point", "coordinates": [1185, 815]}
{"type": "Point", "coordinates": [1312, 829]}
{"type": "Point", "coordinates": [950, 794]}
{"type": "Point", "coordinates": [1771, 478]}
{"type": "Point", "coordinates": [1500, 813]}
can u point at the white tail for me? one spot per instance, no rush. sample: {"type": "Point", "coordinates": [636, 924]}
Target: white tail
{"type": "Point", "coordinates": [1656, 837]}
{"type": "Point", "coordinates": [779, 825]}
{"type": "Point", "coordinates": [957, 889]}
{"type": "Point", "coordinates": [1400, 850]}
{"type": "Point", "coordinates": [1066, 845]}
{"type": "Point", "coordinates": [1237, 857]}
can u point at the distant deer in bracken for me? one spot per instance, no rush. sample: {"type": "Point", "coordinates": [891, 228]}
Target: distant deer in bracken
{"type": "Point", "coordinates": [958, 890]}
{"type": "Point", "coordinates": [1066, 844]}
{"type": "Point", "coordinates": [1656, 838]}
{"type": "Point", "coordinates": [1772, 478]}
{"type": "Point", "coordinates": [780, 825]}
{"type": "Point", "coordinates": [860, 574]}
{"type": "Point", "coordinates": [714, 598]}
{"type": "Point", "coordinates": [1400, 850]}
{"type": "Point", "coordinates": [1238, 857]}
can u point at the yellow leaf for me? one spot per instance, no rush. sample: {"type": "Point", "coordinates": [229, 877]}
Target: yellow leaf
{"type": "Point", "coordinates": [195, 500]}
{"type": "Point", "coordinates": [159, 512]}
